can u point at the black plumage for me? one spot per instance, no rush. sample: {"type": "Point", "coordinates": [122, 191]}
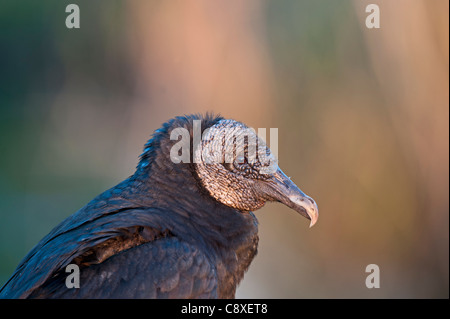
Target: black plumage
{"type": "Point", "coordinates": [168, 231]}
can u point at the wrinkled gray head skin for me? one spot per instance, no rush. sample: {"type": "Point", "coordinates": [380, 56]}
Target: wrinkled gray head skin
{"type": "Point", "coordinates": [238, 169]}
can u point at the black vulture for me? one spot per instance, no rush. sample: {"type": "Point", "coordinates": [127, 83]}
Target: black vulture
{"type": "Point", "coordinates": [177, 228]}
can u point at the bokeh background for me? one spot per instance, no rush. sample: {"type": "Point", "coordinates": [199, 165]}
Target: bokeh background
{"type": "Point", "coordinates": [362, 115]}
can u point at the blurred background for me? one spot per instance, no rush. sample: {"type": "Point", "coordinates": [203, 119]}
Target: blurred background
{"type": "Point", "coordinates": [362, 117]}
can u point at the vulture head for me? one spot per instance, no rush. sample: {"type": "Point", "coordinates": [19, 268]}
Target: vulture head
{"type": "Point", "coordinates": [238, 169]}
{"type": "Point", "coordinates": [231, 162]}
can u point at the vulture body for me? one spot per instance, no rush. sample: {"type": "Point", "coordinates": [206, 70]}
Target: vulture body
{"type": "Point", "coordinates": [171, 230]}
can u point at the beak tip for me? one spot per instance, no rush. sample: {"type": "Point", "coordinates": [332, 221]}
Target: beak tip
{"type": "Point", "coordinates": [313, 215]}
{"type": "Point", "coordinates": [313, 221]}
{"type": "Point", "coordinates": [308, 208]}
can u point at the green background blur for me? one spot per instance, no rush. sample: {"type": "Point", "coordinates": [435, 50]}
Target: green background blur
{"type": "Point", "coordinates": [362, 116]}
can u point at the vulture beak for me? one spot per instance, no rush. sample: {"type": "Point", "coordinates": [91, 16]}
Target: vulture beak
{"type": "Point", "coordinates": [281, 188]}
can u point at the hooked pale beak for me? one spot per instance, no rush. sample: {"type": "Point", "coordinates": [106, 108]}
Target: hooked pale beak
{"type": "Point", "coordinates": [281, 188]}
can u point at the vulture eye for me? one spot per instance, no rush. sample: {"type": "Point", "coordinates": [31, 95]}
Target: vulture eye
{"type": "Point", "coordinates": [241, 159]}
{"type": "Point", "coordinates": [241, 163]}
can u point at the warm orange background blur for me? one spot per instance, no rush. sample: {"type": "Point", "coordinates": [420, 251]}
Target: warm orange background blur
{"type": "Point", "coordinates": [362, 116]}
